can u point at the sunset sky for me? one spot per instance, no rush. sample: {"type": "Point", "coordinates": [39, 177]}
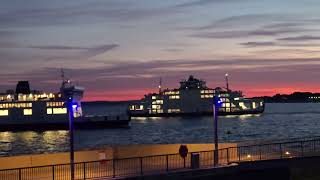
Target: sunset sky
{"type": "Point", "coordinates": [118, 49]}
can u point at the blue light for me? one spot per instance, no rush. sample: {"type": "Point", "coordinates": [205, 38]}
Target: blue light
{"type": "Point", "coordinates": [74, 106]}
{"type": "Point", "coordinates": [217, 102]}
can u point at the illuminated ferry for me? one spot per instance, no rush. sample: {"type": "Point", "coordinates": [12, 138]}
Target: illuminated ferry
{"type": "Point", "coordinates": [195, 98]}
{"type": "Point", "coordinates": [28, 109]}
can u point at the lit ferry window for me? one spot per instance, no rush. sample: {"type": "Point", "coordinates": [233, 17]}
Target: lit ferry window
{"type": "Point", "coordinates": [27, 112]}
{"type": "Point", "coordinates": [4, 112]}
{"type": "Point", "coordinates": [59, 110]}
{"type": "Point", "coordinates": [49, 110]}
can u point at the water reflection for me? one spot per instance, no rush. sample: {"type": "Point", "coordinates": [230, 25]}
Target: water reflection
{"type": "Point", "coordinates": [28, 137]}
{"type": "Point", "coordinates": [248, 116]}
{"type": "Point", "coordinates": [139, 118]}
{"type": "Point", "coordinates": [277, 122]}
{"type": "Point", "coordinates": [55, 139]}
{"type": "Point", "coordinates": [6, 137]}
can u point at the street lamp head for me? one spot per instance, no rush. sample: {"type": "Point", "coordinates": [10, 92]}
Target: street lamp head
{"type": "Point", "coordinates": [217, 102]}
{"type": "Point", "coordinates": [227, 74]}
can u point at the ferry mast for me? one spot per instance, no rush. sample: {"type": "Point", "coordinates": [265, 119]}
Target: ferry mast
{"type": "Point", "coordinates": [227, 81]}
{"type": "Point", "coordinates": [160, 84]}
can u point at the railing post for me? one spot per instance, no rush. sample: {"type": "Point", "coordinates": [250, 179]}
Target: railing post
{"type": "Point", "coordinates": [227, 155]}
{"type": "Point", "coordinates": [239, 153]}
{"type": "Point", "coordinates": [301, 145]}
{"type": "Point", "coordinates": [184, 162]}
{"type": "Point", "coordinates": [84, 170]}
{"type": "Point", "coordinates": [167, 162]}
{"type": "Point", "coordinates": [260, 153]}
{"type": "Point", "coordinates": [20, 174]}
{"type": "Point", "coordinates": [52, 172]}
{"type": "Point", "coordinates": [113, 168]}
{"type": "Point", "coordinates": [141, 170]}
{"type": "Point", "coordinates": [280, 150]}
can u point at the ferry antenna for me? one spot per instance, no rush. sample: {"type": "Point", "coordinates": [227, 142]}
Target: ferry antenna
{"type": "Point", "coordinates": [160, 84]}
{"type": "Point", "coordinates": [62, 74]}
{"type": "Point", "coordinates": [227, 81]}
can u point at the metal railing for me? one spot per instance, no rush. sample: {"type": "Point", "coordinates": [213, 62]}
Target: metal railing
{"type": "Point", "coordinates": [165, 163]}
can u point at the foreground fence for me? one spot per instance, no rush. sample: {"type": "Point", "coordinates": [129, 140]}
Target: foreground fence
{"type": "Point", "coordinates": [165, 163]}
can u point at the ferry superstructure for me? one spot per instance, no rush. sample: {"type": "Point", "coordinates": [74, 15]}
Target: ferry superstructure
{"type": "Point", "coordinates": [23, 107]}
{"type": "Point", "coordinates": [193, 97]}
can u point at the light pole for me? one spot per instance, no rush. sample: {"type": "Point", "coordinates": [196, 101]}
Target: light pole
{"type": "Point", "coordinates": [216, 105]}
{"type": "Point", "coordinates": [71, 128]}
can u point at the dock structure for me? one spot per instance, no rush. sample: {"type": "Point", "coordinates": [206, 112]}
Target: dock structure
{"type": "Point", "coordinates": [164, 165]}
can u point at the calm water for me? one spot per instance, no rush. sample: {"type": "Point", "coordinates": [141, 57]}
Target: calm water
{"type": "Point", "coordinates": [279, 121]}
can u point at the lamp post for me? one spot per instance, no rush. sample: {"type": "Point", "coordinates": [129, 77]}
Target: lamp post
{"type": "Point", "coordinates": [216, 105]}
{"type": "Point", "coordinates": [71, 119]}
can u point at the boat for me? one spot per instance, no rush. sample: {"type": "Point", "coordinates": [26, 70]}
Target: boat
{"type": "Point", "coordinates": [194, 98]}
{"type": "Point", "coordinates": [25, 109]}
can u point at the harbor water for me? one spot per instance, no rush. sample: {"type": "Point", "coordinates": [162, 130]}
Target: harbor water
{"type": "Point", "coordinates": [279, 121]}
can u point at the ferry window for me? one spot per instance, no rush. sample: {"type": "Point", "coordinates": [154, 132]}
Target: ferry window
{"type": "Point", "coordinates": [27, 112]}
{"type": "Point", "coordinates": [59, 110]}
{"type": "Point", "coordinates": [49, 110]}
{"type": "Point", "coordinates": [4, 112]}
{"type": "Point", "coordinates": [174, 97]}
{"type": "Point", "coordinates": [241, 104]}
{"type": "Point", "coordinates": [156, 107]}
{"type": "Point", "coordinates": [131, 107]}
{"type": "Point", "coordinates": [157, 102]}
{"type": "Point", "coordinates": [154, 97]}
{"type": "Point", "coordinates": [253, 105]}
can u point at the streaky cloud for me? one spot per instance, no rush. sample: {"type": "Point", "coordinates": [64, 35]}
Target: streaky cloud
{"type": "Point", "coordinates": [292, 51]}
{"type": "Point", "coordinates": [203, 2]}
{"type": "Point", "coordinates": [58, 47]}
{"type": "Point", "coordinates": [105, 47]}
{"type": "Point", "coordinates": [300, 38]}
{"type": "Point", "coordinates": [244, 20]}
{"type": "Point", "coordinates": [249, 33]}
{"type": "Point", "coordinates": [257, 44]}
